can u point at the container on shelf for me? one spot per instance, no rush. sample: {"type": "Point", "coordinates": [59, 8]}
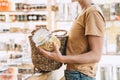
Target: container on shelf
{"type": "Point", "coordinates": [9, 74]}
{"type": "Point", "coordinates": [4, 5]}
{"type": "Point", "coordinates": [2, 18]}
{"type": "Point", "coordinates": [117, 11]}
{"type": "Point", "coordinates": [106, 72]}
{"type": "Point", "coordinates": [117, 72]}
{"type": "Point", "coordinates": [118, 44]}
{"type": "Point", "coordinates": [106, 10]}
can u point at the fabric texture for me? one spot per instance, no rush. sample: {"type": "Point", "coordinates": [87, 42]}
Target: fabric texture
{"type": "Point", "coordinates": [89, 22]}
{"type": "Point", "coordinates": [75, 75]}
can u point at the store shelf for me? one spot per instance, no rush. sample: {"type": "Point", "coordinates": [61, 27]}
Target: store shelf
{"type": "Point", "coordinates": [64, 20]}
{"type": "Point", "coordinates": [41, 22]}
{"type": "Point", "coordinates": [112, 20]}
{"type": "Point", "coordinates": [110, 59]}
{"type": "Point", "coordinates": [19, 36]}
{"type": "Point", "coordinates": [24, 11]}
{"type": "Point", "coordinates": [61, 20]}
{"type": "Point", "coordinates": [18, 12]}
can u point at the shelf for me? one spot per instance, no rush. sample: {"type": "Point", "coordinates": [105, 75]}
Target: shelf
{"type": "Point", "coordinates": [7, 52]}
{"type": "Point", "coordinates": [21, 21]}
{"type": "Point", "coordinates": [110, 59]}
{"type": "Point", "coordinates": [111, 53]}
{"type": "Point", "coordinates": [15, 33]}
{"type": "Point", "coordinates": [25, 11]}
{"type": "Point", "coordinates": [32, 22]}
{"type": "Point", "coordinates": [111, 20]}
{"type": "Point", "coordinates": [64, 20]}
{"type": "Point", "coordinates": [19, 37]}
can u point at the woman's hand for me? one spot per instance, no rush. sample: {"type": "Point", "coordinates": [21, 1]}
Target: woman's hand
{"type": "Point", "coordinates": [55, 55]}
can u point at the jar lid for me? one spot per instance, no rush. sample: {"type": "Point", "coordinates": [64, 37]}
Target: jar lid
{"type": "Point", "coordinates": [41, 36]}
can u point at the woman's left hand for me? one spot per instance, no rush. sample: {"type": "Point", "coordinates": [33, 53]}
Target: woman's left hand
{"type": "Point", "coordinates": [55, 55]}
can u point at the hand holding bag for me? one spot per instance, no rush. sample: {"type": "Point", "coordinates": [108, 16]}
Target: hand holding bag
{"type": "Point", "coordinates": [41, 63]}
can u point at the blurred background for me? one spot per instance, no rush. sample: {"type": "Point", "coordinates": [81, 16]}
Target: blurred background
{"type": "Point", "coordinates": [19, 17]}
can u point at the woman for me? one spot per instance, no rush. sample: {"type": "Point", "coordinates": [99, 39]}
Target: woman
{"type": "Point", "coordinates": [85, 43]}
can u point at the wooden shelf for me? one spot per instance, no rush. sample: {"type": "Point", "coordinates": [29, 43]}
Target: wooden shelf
{"type": "Point", "coordinates": [24, 11]}
{"type": "Point", "coordinates": [64, 20]}
{"type": "Point", "coordinates": [111, 20]}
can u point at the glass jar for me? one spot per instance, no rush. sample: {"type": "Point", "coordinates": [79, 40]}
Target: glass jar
{"type": "Point", "coordinates": [44, 39]}
{"type": "Point", "coordinates": [12, 18]}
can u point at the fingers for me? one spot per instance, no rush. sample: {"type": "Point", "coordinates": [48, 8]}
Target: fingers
{"type": "Point", "coordinates": [56, 47]}
{"type": "Point", "coordinates": [45, 53]}
{"type": "Point", "coordinates": [51, 55]}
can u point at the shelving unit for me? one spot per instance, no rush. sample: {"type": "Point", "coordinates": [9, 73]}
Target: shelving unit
{"type": "Point", "coordinates": [110, 56]}
{"type": "Point", "coordinates": [66, 13]}
{"type": "Point", "coordinates": [20, 20]}
{"type": "Point", "coordinates": [61, 18]}
{"type": "Point", "coordinates": [15, 28]}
